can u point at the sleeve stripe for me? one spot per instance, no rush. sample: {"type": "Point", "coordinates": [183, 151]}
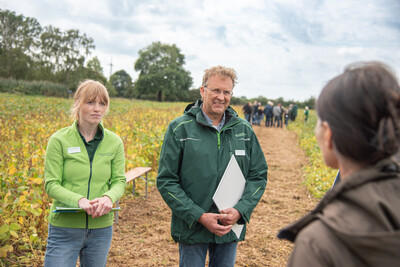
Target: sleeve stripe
{"type": "Point", "coordinates": [180, 125]}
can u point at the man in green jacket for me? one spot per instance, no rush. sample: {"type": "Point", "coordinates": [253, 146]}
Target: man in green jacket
{"type": "Point", "coordinates": [196, 150]}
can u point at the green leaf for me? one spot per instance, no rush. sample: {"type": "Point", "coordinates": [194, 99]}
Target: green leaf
{"type": "Point", "coordinates": [33, 237]}
{"type": "Point", "coordinates": [13, 233]}
{"type": "Point", "coordinates": [3, 236]}
{"type": "Point", "coordinates": [35, 212]}
{"type": "Point", "coordinates": [4, 228]}
{"type": "Point", "coordinates": [22, 213]}
{"type": "Point", "coordinates": [4, 250]}
{"type": "Point", "coordinates": [15, 226]}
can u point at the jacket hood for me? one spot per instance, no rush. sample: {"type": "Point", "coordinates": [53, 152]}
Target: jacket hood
{"type": "Point", "coordinates": [363, 212]}
{"type": "Point", "coordinates": [375, 197]}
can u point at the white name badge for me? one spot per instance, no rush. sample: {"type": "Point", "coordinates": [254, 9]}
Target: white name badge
{"type": "Point", "coordinates": [72, 150]}
{"type": "Point", "coordinates": [240, 153]}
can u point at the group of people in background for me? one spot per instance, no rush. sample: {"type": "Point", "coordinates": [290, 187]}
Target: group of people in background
{"type": "Point", "coordinates": [275, 115]}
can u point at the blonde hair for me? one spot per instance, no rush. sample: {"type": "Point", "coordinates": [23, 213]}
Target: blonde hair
{"type": "Point", "coordinates": [88, 91]}
{"type": "Point", "coordinates": [222, 71]}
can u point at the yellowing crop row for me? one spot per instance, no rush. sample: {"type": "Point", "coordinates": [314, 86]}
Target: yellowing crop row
{"type": "Point", "coordinates": [318, 177]}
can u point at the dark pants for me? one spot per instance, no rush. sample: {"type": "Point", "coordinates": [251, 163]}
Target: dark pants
{"type": "Point", "coordinates": [268, 121]}
{"type": "Point", "coordinates": [277, 120]}
{"type": "Point", "coordinates": [247, 117]}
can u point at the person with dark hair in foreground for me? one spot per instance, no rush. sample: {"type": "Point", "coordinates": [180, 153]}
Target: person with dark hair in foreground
{"type": "Point", "coordinates": [357, 223]}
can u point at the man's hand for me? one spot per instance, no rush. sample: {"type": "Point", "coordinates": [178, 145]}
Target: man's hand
{"type": "Point", "coordinates": [232, 216]}
{"type": "Point", "coordinates": [104, 205]}
{"type": "Point", "coordinates": [210, 221]}
{"type": "Point", "coordinates": [87, 206]}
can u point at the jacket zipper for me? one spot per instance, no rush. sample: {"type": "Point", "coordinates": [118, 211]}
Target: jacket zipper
{"type": "Point", "coordinates": [90, 178]}
{"type": "Point", "coordinates": [90, 175]}
{"type": "Point", "coordinates": [219, 133]}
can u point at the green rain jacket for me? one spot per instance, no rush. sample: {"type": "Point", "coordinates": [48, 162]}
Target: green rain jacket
{"type": "Point", "coordinates": [69, 175]}
{"type": "Point", "coordinates": [193, 159]}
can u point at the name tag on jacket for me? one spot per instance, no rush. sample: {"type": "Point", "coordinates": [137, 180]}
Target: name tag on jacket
{"type": "Point", "coordinates": [240, 152]}
{"type": "Point", "coordinates": [72, 150]}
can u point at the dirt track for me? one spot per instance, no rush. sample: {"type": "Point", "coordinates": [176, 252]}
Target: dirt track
{"type": "Point", "coordinates": [142, 235]}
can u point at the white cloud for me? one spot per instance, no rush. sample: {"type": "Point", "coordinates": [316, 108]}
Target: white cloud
{"type": "Point", "coordinates": [349, 51]}
{"type": "Point", "coordinates": [279, 48]}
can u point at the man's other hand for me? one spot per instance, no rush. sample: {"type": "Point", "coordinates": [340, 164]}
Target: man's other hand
{"type": "Point", "coordinates": [210, 221]}
{"type": "Point", "coordinates": [232, 216]}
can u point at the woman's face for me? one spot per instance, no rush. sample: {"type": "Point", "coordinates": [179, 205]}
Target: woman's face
{"type": "Point", "coordinates": [91, 113]}
{"type": "Point", "coordinates": [323, 134]}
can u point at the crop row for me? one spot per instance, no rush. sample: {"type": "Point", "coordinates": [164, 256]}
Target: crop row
{"type": "Point", "coordinates": [318, 177]}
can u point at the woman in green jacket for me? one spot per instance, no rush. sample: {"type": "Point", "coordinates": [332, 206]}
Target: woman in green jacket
{"type": "Point", "coordinates": [85, 168]}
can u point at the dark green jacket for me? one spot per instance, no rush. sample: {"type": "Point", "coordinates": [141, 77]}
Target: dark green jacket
{"type": "Point", "coordinates": [193, 159]}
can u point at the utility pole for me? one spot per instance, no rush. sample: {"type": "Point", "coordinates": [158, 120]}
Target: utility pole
{"type": "Point", "coordinates": [110, 67]}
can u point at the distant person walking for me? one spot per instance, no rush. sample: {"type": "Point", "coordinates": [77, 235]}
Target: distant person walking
{"type": "Point", "coordinates": [306, 112]}
{"type": "Point", "coordinates": [260, 114]}
{"type": "Point", "coordinates": [277, 115]}
{"type": "Point", "coordinates": [293, 112]}
{"type": "Point", "coordinates": [281, 116]}
{"type": "Point", "coordinates": [255, 112]}
{"type": "Point", "coordinates": [286, 116]}
{"type": "Point", "coordinates": [247, 110]}
{"type": "Point", "coordinates": [268, 114]}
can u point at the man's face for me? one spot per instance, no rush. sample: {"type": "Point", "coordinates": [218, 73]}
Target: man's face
{"type": "Point", "coordinates": [216, 96]}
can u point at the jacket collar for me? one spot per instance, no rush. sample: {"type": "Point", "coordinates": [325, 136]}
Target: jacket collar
{"type": "Point", "coordinates": [194, 110]}
{"type": "Point", "coordinates": [75, 126]}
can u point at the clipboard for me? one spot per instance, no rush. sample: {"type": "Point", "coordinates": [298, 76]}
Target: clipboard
{"type": "Point", "coordinates": [66, 209]}
{"type": "Point", "coordinates": [230, 190]}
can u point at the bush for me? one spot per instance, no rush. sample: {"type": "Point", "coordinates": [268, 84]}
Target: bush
{"type": "Point", "coordinates": [33, 87]}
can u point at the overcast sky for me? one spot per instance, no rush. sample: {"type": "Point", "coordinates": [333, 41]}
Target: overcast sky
{"type": "Point", "coordinates": [279, 48]}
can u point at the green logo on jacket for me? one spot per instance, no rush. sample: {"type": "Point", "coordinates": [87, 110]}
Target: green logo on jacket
{"type": "Point", "coordinates": [106, 154]}
{"type": "Point", "coordinates": [240, 134]}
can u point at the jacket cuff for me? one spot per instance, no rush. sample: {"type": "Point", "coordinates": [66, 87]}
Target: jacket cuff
{"type": "Point", "coordinates": [196, 214]}
{"type": "Point", "coordinates": [76, 199]}
{"type": "Point", "coordinates": [242, 210]}
{"type": "Point", "coordinates": [107, 195]}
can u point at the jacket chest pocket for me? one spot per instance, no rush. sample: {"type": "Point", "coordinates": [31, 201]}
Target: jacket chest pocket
{"type": "Point", "coordinates": [241, 153]}
{"type": "Point", "coordinates": [240, 146]}
{"type": "Point", "coordinates": [101, 167]}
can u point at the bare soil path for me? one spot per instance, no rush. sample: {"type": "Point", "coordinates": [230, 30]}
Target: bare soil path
{"type": "Point", "coordinates": [142, 235]}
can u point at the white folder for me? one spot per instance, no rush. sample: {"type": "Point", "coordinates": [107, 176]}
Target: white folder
{"type": "Point", "coordinates": [230, 190]}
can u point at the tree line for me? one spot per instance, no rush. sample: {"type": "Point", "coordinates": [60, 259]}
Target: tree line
{"type": "Point", "coordinates": [30, 52]}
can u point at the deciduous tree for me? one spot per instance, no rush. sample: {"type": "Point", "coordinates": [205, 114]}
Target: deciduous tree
{"type": "Point", "coordinates": [161, 73]}
{"type": "Point", "coordinates": [122, 82]}
{"type": "Point", "coordinates": [18, 41]}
